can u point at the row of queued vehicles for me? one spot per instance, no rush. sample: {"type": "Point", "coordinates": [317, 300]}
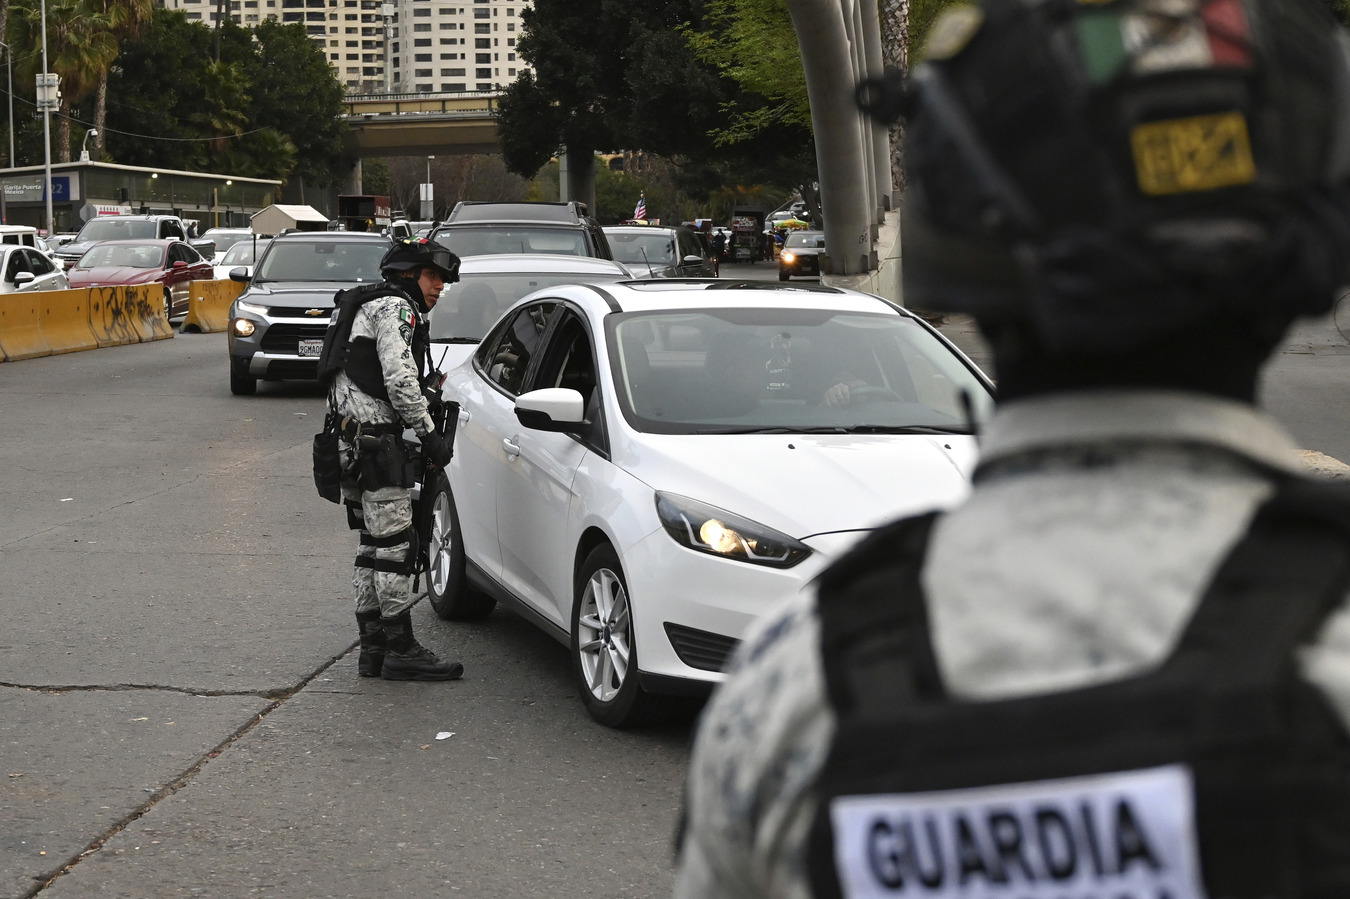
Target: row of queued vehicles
{"type": "Point", "coordinates": [113, 251]}
{"type": "Point", "coordinates": [645, 462]}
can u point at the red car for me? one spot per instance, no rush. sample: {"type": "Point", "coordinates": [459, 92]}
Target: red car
{"type": "Point", "coordinates": [172, 263]}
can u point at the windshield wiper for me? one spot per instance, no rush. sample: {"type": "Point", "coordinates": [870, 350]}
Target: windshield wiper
{"type": "Point", "coordinates": [905, 429]}
{"type": "Point", "coordinates": [770, 430]}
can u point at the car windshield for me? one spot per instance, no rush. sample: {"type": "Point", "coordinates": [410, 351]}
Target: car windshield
{"type": "Point", "coordinates": [642, 249]}
{"type": "Point", "coordinates": [322, 260]}
{"type": "Point", "coordinates": [127, 255]}
{"type": "Point", "coordinates": [224, 240]}
{"type": "Point", "coordinates": [721, 371]}
{"type": "Point", "coordinates": [467, 309]}
{"type": "Point", "coordinates": [489, 241]}
{"type": "Point", "coordinates": [113, 229]}
{"type": "Point", "coordinates": [242, 253]}
{"type": "Point", "coordinates": [805, 239]}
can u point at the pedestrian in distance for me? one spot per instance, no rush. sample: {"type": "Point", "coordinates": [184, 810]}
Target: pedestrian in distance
{"type": "Point", "coordinates": [719, 243]}
{"type": "Point", "coordinates": [1121, 667]}
{"type": "Point", "coordinates": [384, 384]}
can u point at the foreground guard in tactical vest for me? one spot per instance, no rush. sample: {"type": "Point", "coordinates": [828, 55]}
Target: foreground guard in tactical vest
{"type": "Point", "coordinates": [376, 361]}
{"type": "Point", "coordinates": [1120, 669]}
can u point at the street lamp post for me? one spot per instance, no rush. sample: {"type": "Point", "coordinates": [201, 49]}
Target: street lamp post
{"type": "Point", "coordinates": [427, 196]}
{"type": "Point", "coordinates": [46, 99]}
{"type": "Point", "coordinates": [84, 148]}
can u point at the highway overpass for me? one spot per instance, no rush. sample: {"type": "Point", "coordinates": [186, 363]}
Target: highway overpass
{"type": "Point", "coordinates": [421, 124]}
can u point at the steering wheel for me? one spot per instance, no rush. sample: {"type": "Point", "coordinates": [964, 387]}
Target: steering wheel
{"type": "Point", "coordinates": [873, 392]}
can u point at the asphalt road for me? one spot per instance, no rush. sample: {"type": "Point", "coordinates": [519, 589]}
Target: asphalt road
{"type": "Point", "coordinates": [179, 708]}
{"type": "Point", "coordinates": [180, 713]}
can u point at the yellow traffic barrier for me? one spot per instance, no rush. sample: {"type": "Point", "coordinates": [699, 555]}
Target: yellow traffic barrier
{"type": "Point", "coordinates": [209, 305]}
{"type": "Point", "coordinates": [122, 315]}
{"type": "Point", "coordinates": [20, 327]}
{"type": "Point", "coordinates": [63, 316]}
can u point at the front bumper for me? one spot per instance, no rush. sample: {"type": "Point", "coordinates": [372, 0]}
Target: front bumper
{"type": "Point", "coordinates": [273, 350]}
{"type": "Point", "coordinates": [690, 610]}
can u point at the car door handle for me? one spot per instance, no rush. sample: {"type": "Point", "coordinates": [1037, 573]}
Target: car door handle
{"type": "Point", "coordinates": [463, 415]}
{"type": "Point", "coordinates": [512, 448]}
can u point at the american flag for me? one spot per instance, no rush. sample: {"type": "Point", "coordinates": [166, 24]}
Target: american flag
{"type": "Point", "coordinates": [640, 212]}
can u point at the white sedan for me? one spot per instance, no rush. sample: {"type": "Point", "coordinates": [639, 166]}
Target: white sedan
{"type": "Point", "coordinates": [26, 270]}
{"type": "Point", "coordinates": [642, 468]}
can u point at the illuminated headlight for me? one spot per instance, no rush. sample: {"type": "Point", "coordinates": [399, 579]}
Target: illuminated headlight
{"type": "Point", "coordinates": [787, 256]}
{"type": "Point", "coordinates": [251, 308]}
{"type": "Point", "coordinates": [718, 532]}
{"type": "Point", "coordinates": [243, 327]}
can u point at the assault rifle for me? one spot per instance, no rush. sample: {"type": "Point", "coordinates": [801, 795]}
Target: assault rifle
{"type": "Point", "coordinates": [445, 419]}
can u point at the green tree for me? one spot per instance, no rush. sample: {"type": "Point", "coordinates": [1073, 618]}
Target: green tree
{"type": "Point", "coordinates": [126, 19]}
{"type": "Point", "coordinates": [80, 46]}
{"type": "Point", "coordinates": [296, 93]}
{"type": "Point", "coordinates": [155, 89]}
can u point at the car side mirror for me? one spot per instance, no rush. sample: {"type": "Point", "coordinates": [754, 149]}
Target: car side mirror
{"type": "Point", "coordinates": [178, 263]}
{"type": "Point", "coordinates": [23, 278]}
{"type": "Point", "coordinates": [239, 274]}
{"type": "Point", "coordinates": [551, 409]}
{"type": "Point", "coordinates": [692, 260]}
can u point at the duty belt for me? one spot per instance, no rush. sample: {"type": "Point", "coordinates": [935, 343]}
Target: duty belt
{"type": "Point", "coordinates": [352, 429]}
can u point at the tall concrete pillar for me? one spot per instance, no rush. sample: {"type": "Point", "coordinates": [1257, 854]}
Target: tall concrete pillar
{"type": "Point", "coordinates": [828, 62]}
{"type": "Point", "coordinates": [353, 185]}
{"type": "Point", "coordinates": [880, 139]}
{"type": "Point", "coordinates": [576, 177]}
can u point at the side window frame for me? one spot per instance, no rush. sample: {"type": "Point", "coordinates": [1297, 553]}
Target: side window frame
{"type": "Point", "coordinates": [486, 358]}
{"type": "Point", "coordinates": [568, 323]}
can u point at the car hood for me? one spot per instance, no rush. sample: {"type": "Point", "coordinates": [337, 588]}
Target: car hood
{"type": "Point", "coordinates": [75, 249]}
{"type": "Point", "coordinates": [294, 294]}
{"type": "Point", "coordinates": [113, 274]}
{"type": "Point", "coordinates": [809, 484]}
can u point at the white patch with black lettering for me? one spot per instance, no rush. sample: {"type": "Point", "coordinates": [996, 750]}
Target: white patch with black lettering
{"type": "Point", "coordinates": [1127, 835]}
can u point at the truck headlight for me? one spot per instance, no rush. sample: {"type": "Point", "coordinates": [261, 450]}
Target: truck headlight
{"type": "Point", "coordinates": [718, 532]}
{"type": "Point", "coordinates": [243, 327]}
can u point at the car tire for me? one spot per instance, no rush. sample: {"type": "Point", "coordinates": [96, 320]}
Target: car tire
{"type": "Point", "coordinates": [242, 385]}
{"type": "Point", "coordinates": [448, 587]}
{"type": "Point", "coordinates": [604, 653]}
{"type": "Point", "coordinates": [168, 304]}
{"type": "Point", "coordinates": [783, 276]}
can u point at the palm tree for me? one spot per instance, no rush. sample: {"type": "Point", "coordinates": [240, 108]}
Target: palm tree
{"type": "Point", "coordinates": [80, 45]}
{"type": "Point", "coordinates": [127, 19]}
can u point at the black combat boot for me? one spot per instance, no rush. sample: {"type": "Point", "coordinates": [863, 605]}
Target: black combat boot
{"type": "Point", "coordinates": [406, 659]}
{"type": "Point", "coordinates": [371, 660]}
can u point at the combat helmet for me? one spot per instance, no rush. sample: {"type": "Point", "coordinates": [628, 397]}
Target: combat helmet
{"type": "Point", "coordinates": [1108, 171]}
{"type": "Point", "coordinates": [416, 253]}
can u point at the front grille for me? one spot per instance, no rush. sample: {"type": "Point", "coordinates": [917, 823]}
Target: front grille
{"type": "Point", "coordinates": [286, 338]}
{"type": "Point", "coordinates": [290, 370]}
{"type": "Point", "coordinates": [700, 649]}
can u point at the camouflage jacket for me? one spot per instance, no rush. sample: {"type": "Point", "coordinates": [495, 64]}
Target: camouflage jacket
{"type": "Point", "coordinates": [389, 321]}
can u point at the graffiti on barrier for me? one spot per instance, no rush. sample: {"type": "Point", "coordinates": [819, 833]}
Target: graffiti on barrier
{"type": "Point", "coordinates": [120, 315]}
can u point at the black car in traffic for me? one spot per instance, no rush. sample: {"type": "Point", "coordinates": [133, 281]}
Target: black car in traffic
{"type": "Point", "coordinates": [801, 254]}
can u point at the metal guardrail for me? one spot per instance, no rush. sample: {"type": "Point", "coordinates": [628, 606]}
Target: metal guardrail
{"type": "Point", "coordinates": [466, 103]}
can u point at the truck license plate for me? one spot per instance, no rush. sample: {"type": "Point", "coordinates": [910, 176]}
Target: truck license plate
{"type": "Point", "coordinates": [312, 346]}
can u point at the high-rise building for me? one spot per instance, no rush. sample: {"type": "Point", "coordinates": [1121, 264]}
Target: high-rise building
{"type": "Point", "coordinates": [400, 46]}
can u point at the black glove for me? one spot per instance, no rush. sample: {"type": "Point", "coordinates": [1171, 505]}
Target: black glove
{"type": "Point", "coordinates": [436, 449]}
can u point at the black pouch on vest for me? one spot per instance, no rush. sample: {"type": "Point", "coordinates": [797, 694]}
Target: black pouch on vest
{"type": "Point", "coordinates": [382, 462]}
{"type": "Point", "coordinates": [327, 463]}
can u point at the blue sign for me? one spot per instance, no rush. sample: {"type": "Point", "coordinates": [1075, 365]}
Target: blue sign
{"type": "Point", "coordinates": [60, 188]}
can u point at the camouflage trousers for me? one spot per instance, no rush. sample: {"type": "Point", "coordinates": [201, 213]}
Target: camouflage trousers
{"type": "Point", "coordinates": [381, 513]}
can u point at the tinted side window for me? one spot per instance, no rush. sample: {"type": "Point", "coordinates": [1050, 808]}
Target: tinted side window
{"type": "Point", "coordinates": [507, 357]}
{"type": "Point", "coordinates": [38, 262]}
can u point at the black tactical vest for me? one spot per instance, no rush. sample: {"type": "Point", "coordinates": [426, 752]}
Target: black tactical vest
{"type": "Point", "coordinates": [1221, 774]}
{"type": "Point", "coordinates": [358, 356]}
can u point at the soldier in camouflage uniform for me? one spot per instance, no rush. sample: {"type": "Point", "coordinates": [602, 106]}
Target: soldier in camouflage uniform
{"type": "Point", "coordinates": [1134, 199]}
{"type": "Point", "coordinates": [382, 389]}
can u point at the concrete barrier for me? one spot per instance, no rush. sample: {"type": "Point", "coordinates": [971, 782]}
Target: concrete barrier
{"type": "Point", "coordinates": [209, 305]}
{"type": "Point", "coordinates": [64, 318]}
{"type": "Point", "coordinates": [122, 315]}
{"type": "Point", "coordinates": [20, 327]}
